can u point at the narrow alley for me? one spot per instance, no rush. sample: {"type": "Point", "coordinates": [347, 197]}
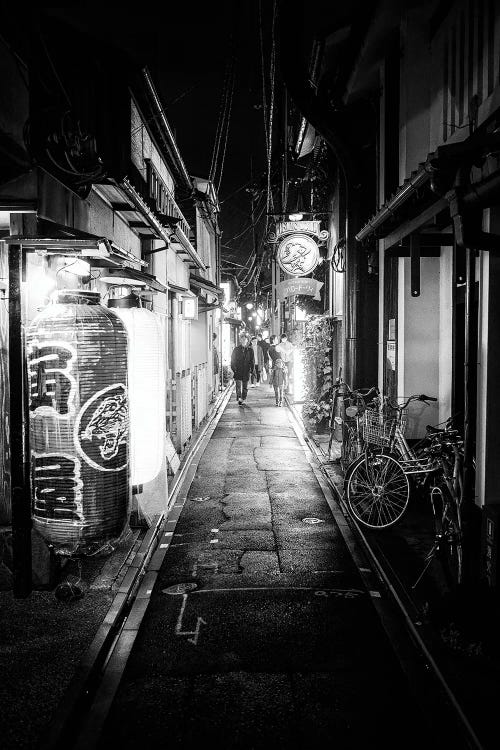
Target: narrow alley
{"type": "Point", "coordinates": [249, 356]}
{"type": "Point", "coordinates": [260, 631]}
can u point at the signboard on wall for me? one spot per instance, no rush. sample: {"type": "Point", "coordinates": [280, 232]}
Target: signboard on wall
{"type": "Point", "coordinates": [190, 308]}
{"type": "Point", "coordinates": [391, 354]}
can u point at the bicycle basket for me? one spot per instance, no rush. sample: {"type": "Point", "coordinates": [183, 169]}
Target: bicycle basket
{"type": "Point", "coordinates": [377, 429]}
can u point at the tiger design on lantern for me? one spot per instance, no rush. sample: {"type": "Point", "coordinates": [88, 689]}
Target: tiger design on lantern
{"type": "Point", "coordinates": [109, 423]}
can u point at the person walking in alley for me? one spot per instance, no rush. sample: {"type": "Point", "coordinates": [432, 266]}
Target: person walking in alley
{"type": "Point", "coordinates": [242, 365]}
{"type": "Point", "coordinates": [262, 356]}
{"type": "Point", "coordinates": [255, 374]}
{"type": "Point", "coordinates": [285, 350]}
{"type": "Point", "coordinates": [272, 353]}
{"type": "Point", "coordinates": [279, 379]}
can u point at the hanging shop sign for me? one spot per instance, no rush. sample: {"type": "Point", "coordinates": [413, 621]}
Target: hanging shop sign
{"type": "Point", "coordinates": [298, 245]}
{"type": "Point", "coordinates": [79, 423]}
{"type": "Point", "coordinates": [298, 254]}
{"type": "Point", "coordinates": [289, 287]}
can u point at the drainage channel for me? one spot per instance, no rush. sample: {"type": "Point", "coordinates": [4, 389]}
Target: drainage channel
{"type": "Point", "coordinates": [395, 609]}
{"type": "Point", "coordinates": [85, 704]}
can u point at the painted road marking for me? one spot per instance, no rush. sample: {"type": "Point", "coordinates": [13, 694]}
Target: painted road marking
{"type": "Point", "coordinates": [199, 622]}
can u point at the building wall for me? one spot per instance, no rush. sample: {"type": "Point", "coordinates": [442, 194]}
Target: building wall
{"type": "Point", "coordinates": [445, 76]}
{"type": "Point", "coordinates": [143, 147]}
{"type": "Point", "coordinates": [418, 342]}
{"type": "Point", "coordinates": [414, 92]}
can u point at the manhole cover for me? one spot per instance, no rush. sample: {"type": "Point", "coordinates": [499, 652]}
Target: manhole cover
{"type": "Point", "coordinates": [312, 521]}
{"type": "Point", "coordinates": [180, 588]}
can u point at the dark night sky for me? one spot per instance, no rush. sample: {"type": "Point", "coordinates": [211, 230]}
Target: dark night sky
{"type": "Point", "coordinates": [187, 48]}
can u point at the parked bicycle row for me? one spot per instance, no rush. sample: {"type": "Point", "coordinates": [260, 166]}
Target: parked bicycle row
{"type": "Point", "coordinates": [382, 468]}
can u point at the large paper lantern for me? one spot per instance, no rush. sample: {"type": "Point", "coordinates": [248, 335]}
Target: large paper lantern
{"type": "Point", "coordinates": [79, 424]}
{"type": "Point", "coordinates": [146, 379]}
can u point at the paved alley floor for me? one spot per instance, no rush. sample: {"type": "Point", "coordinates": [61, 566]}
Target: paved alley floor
{"type": "Point", "coordinates": [259, 632]}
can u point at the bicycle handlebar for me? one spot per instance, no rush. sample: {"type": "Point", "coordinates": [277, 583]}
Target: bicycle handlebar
{"type": "Point", "coordinates": [415, 397]}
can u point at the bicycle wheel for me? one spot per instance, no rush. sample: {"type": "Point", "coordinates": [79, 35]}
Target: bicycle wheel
{"type": "Point", "coordinates": [448, 538]}
{"type": "Point", "coordinates": [348, 450]}
{"type": "Point", "coordinates": [377, 490]}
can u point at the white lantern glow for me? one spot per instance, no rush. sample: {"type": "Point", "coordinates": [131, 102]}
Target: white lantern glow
{"type": "Point", "coordinates": [146, 377]}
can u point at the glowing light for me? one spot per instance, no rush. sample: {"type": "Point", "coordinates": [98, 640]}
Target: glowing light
{"type": "Point", "coordinates": [39, 282]}
{"type": "Point", "coordinates": [296, 217]}
{"type": "Point", "coordinates": [146, 376]}
{"type": "Point", "coordinates": [249, 305]}
{"type": "Point", "coordinates": [78, 267]}
{"type": "Point", "coordinates": [300, 315]}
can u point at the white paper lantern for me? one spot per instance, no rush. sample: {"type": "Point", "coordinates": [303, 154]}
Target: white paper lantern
{"type": "Point", "coordinates": [146, 383]}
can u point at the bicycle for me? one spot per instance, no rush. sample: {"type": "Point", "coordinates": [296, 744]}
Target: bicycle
{"type": "Point", "coordinates": [378, 489]}
{"type": "Point", "coordinates": [352, 443]}
{"type": "Point", "coordinates": [376, 484]}
{"type": "Point", "coordinates": [446, 494]}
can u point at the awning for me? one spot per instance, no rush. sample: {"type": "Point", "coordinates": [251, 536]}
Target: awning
{"type": "Point", "coordinates": [56, 239]}
{"type": "Point", "coordinates": [386, 212]}
{"type": "Point", "coordinates": [124, 275]}
{"type": "Point", "coordinates": [180, 290]}
{"type": "Point", "coordinates": [200, 283]}
{"type": "Point", "coordinates": [173, 236]}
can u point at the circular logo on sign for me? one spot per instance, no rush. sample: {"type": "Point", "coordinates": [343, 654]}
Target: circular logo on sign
{"type": "Point", "coordinates": [101, 429]}
{"type": "Point", "coordinates": [298, 254]}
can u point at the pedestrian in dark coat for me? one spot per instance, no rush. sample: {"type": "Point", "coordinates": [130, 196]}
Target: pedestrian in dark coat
{"type": "Point", "coordinates": [273, 354]}
{"type": "Point", "coordinates": [263, 355]}
{"type": "Point", "coordinates": [242, 364]}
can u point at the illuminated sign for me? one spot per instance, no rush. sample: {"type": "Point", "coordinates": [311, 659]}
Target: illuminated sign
{"type": "Point", "coordinates": [190, 308]}
{"type": "Point", "coordinates": [298, 254]}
